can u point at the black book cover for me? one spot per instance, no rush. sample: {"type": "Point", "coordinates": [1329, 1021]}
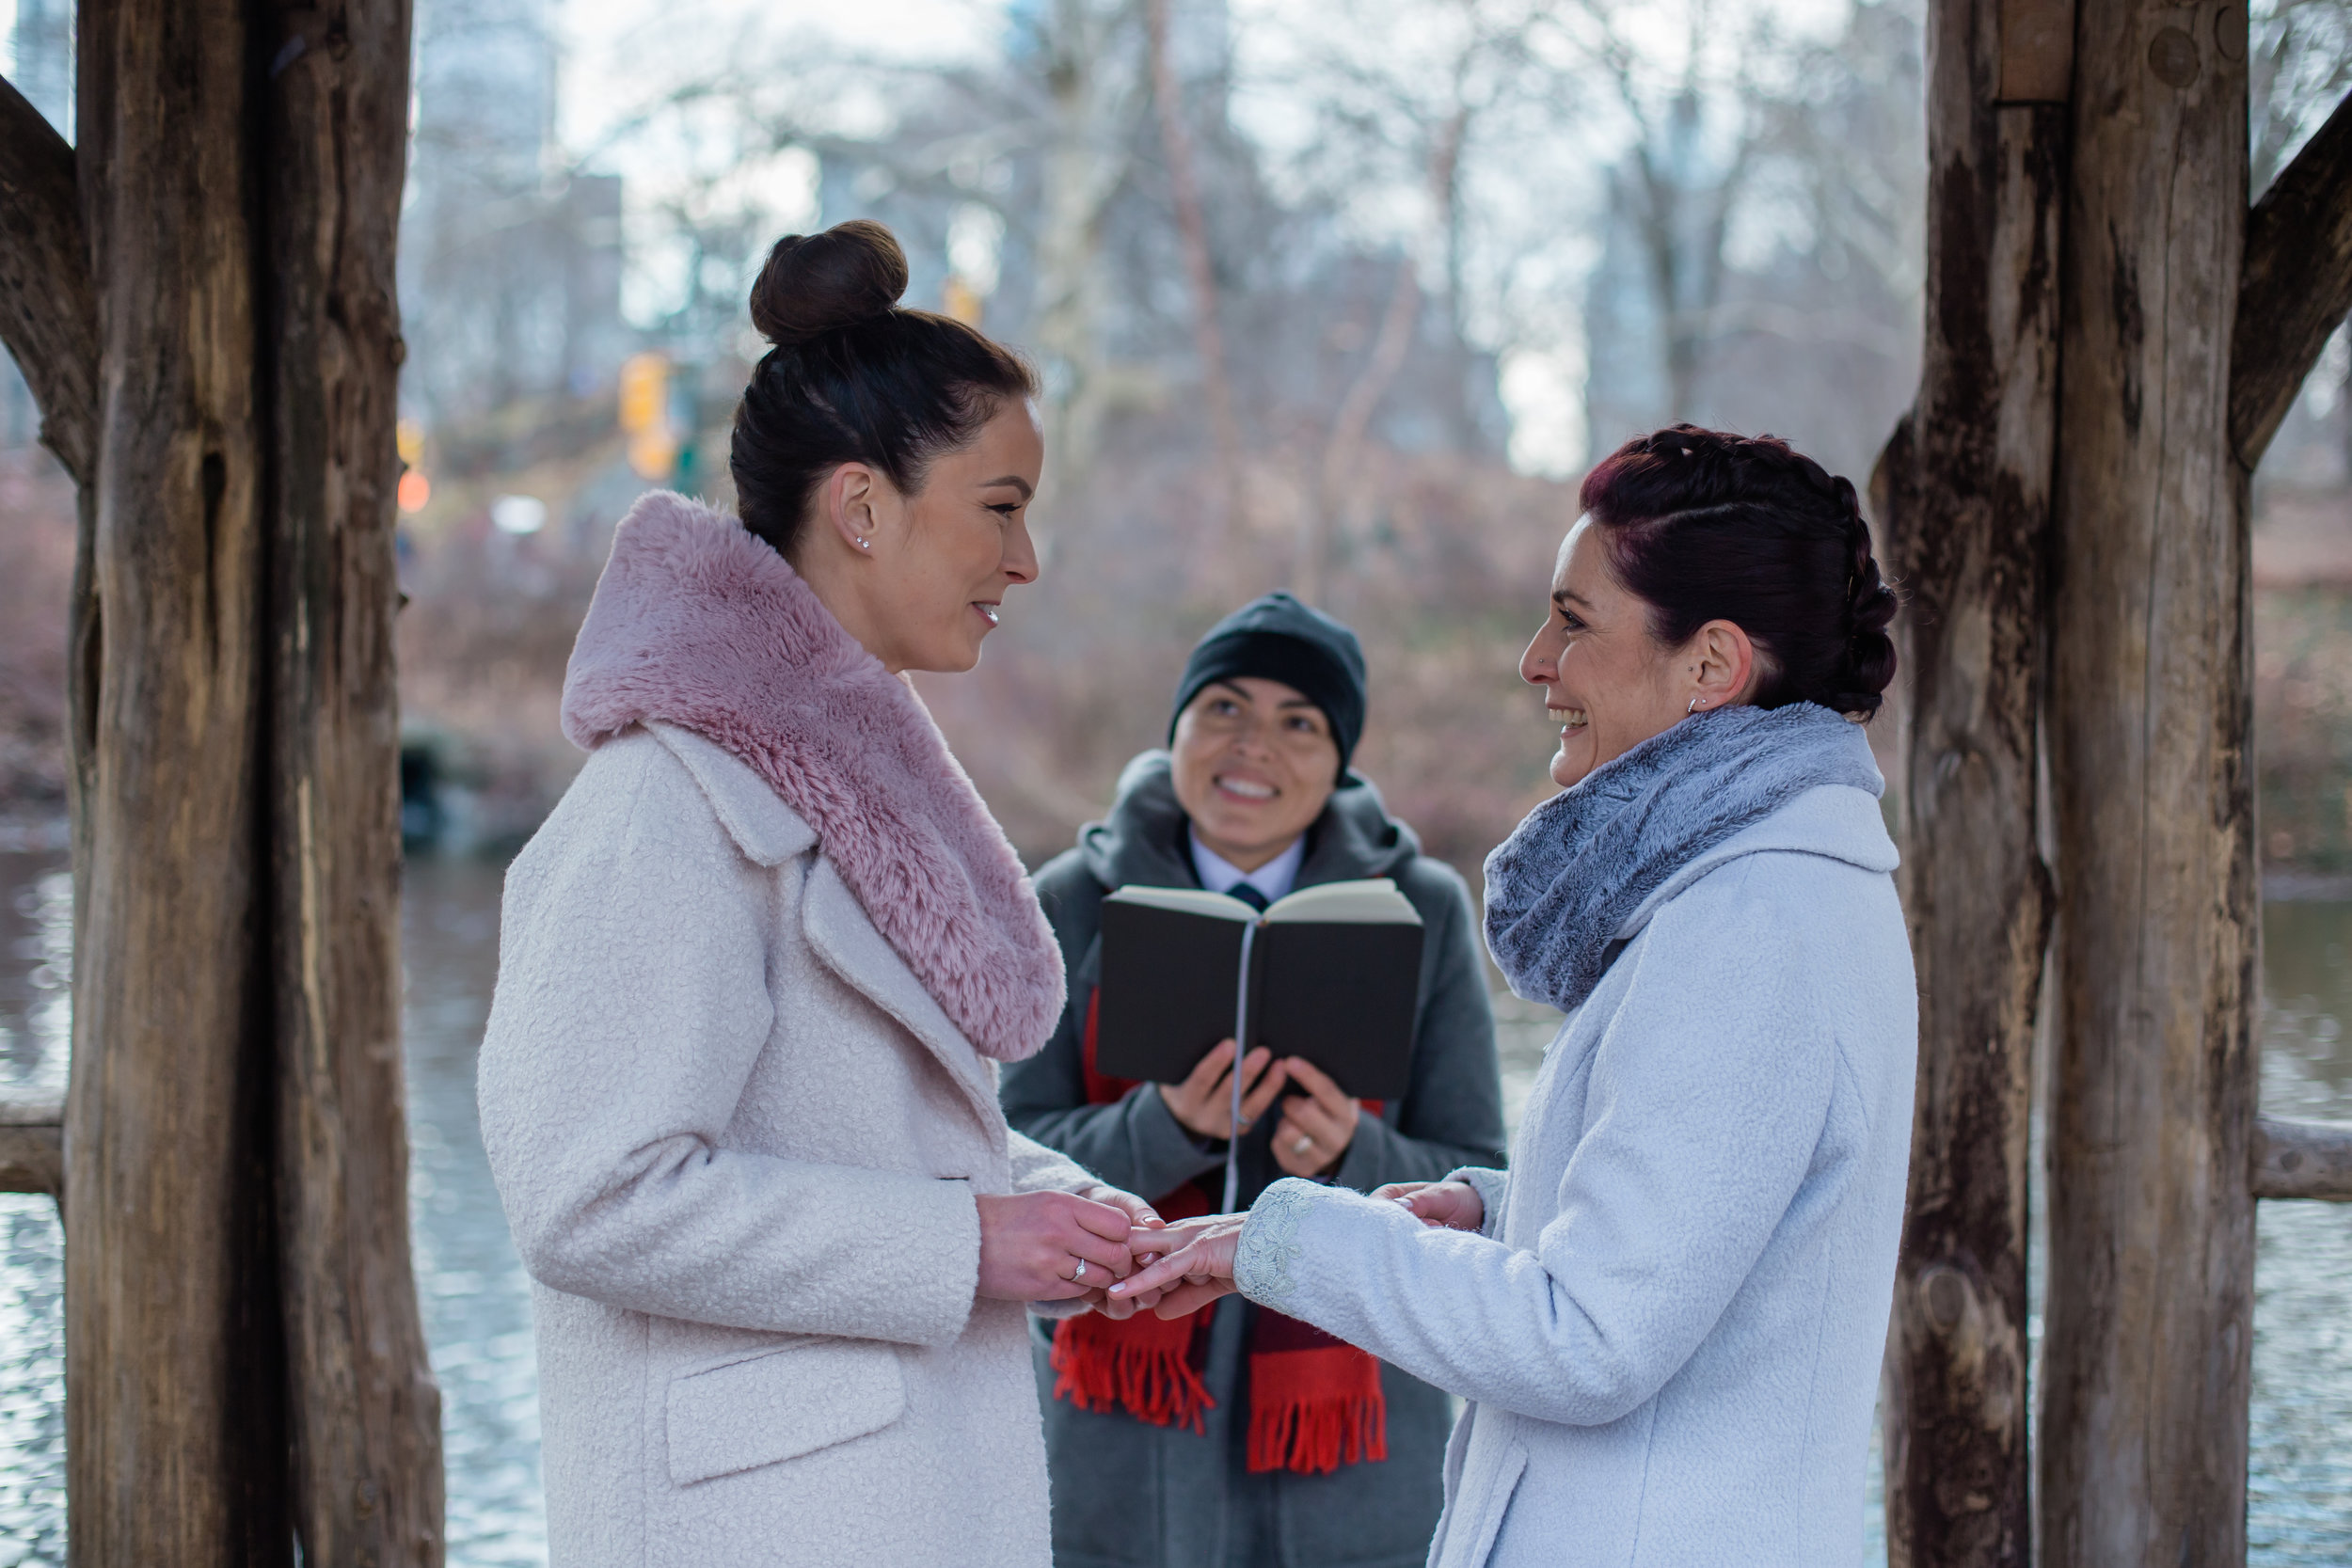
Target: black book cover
{"type": "Point", "coordinates": [1341, 994]}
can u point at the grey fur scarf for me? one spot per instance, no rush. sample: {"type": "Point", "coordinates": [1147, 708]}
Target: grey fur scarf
{"type": "Point", "coordinates": [1561, 888]}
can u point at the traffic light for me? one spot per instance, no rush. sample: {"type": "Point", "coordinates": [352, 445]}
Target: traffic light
{"type": "Point", "coordinates": [645, 416]}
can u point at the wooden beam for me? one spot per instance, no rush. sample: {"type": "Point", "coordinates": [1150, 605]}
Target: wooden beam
{"type": "Point", "coordinates": [2148, 1327]}
{"type": "Point", "coordinates": [176, 1448]}
{"type": "Point", "coordinates": [2302, 1159]}
{"type": "Point", "coordinates": [32, 1144]}
{"type": "Point", "coordinates": [2297, 286]}
{"type": "Point", "coordinates": [366, 1413]}
{"type": "Point", "coordinates": [1962, 499]}
{"type": "Point", "coordinates": [48, 311]}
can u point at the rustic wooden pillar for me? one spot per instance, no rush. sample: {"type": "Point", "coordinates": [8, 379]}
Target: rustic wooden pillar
{"type": "Point", "coordinates": [2152, 1227]}
{"type": "Point", "coordinates": [367, 1483]}
{"type": "Point", "coordinates": [201, 297]}
{"type": "Point", "coordinates": [1963, 496]}
{"type": "Point", "coordinates": [174, 1430]}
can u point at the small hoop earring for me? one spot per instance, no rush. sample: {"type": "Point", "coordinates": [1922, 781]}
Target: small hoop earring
{"type": "Point", "coordinates": [1696, 704]}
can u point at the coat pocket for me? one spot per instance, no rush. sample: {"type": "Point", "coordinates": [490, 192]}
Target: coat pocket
{"type": "Point", "coordinates": [1503, 1486]}
{"type": "Point", "coordinates": [781, 1405]}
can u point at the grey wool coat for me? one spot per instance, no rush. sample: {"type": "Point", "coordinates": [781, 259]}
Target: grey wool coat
{"type": "Point", "coordinates": [1128, 1494]}
{"type": "Point", "coordinates": [739, 1142]}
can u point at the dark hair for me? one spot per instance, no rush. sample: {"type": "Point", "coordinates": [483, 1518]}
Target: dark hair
{"type": "Point", "coordinates": [1705, 525]}
{"type": "Point", "coordinates": [854, 378]}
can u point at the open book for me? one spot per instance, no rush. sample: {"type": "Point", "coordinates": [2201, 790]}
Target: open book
{"type": "Point", "coordinates": [1333, 974]}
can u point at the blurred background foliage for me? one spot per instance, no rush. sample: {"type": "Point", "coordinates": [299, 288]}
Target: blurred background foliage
{"type": "Point", "coordinates": [1338, 296]}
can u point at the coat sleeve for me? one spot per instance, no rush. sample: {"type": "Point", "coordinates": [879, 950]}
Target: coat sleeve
{"type": "Point", "coordinates": [1452, 1116]}
{"type": "Point", "coordinates": [1708, 1094]}
{"type": "Point", "coordinates": [631, 1004]}
{"type": "Point", "coordinates": [1038, 1169]}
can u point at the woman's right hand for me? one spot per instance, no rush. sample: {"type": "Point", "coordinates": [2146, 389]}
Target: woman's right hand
{"type": "Point", "coordinates": [1441, 1205]}
{"type": "Point", "coordinates": [1203, 1102]}
{"type": "Point", "coordinates": [1032, 1243]}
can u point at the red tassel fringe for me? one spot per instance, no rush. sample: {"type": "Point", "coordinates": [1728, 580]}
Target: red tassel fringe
{"type": "Point", "coordinates": [1142, 1365]}
{"type": "Point", "coordinates": [1311, 1411]}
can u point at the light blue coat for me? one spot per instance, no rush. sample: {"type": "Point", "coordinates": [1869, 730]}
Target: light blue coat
{"type": "Point", "coordinates": [1670, 1331]}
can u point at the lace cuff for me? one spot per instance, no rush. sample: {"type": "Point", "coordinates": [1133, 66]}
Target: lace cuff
{"type": "Point", "coordinates": [1270, 1242]}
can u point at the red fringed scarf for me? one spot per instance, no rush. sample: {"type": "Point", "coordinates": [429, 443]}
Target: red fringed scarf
{"type": "Point", "coordinates": [1314, 1401]}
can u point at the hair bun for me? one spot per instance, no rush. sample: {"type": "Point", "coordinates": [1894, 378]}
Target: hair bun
{"type": "Point", "coordinates": [1872, 604]}
{"type": "Point", "coordinates": [813, 284]}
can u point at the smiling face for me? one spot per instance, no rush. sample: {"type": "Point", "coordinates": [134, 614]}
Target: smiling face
{"type": "Point", "coordinates": [1608, 684]}
{"type": "Point", "coordinates": [1254, 764]}
{"type": "Point", "coordinates": [921, 580]}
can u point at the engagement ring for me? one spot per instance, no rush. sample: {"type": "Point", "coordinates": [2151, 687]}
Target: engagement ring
{"type": "Point", "coordinates": [1303, 1144]}
{"type": "Point", "coordinates": [1079, 1273]}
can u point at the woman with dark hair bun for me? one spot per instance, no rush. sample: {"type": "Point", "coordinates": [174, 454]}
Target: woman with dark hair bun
{"type": "Point", "coordinates": [1667, 1317]}
{"type": "Point", "coordinates": [755, 972]}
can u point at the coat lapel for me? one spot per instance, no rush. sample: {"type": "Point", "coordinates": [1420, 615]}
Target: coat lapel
{"type": "Point", "coordinates": [846, 940]}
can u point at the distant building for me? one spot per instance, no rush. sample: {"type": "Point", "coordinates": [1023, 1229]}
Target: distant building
{"type": "Point", "coordinates": [510, 266]}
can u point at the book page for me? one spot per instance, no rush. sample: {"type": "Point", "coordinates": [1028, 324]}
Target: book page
{"type": "Point", "coordinates": [1370, 901]}
{"type": "Point", "coordinates": [1188, 900]}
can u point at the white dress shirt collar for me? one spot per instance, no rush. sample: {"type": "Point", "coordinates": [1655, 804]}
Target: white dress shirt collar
{"type": "Point", "coordinates": [1274, 879]}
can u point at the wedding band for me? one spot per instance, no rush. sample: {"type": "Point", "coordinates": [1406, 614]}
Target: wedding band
{"type": "Point", "coordinates": [1079, 1273]}
{"type": "Point", "coordinates": [1304, 1143]}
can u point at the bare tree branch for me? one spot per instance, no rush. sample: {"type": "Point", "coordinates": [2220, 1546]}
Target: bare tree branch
{"type": "Point", "coordinates": [48, 310]}
{"type": "Point", "coordinates": [2295, 285]}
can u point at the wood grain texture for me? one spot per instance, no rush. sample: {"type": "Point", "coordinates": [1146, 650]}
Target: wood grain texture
{"type": "Point", "coordinates": [174, 1434]}
{"type": "Point", "coordinates": [2148, 1324]}
{"type": "Point", "coordinates": [2302, 1159]}
{"type": "Point", "coordinates": [48, 313]}
{"type": "Point", "coordinates": [32, 1144]}
{"type": "Point", "coordinates": [2296, 284]}
{"type": "Point", "coordinates": [1964, 494]}
{"type": "Point", "coordinates": [364, 1408]}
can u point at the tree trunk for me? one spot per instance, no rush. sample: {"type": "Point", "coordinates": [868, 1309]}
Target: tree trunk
{"type": "Point", "coordinates": [1192, 231]}
{"type": "Point", "coordinates": [1965, 496]}
{"type": "Point", "coordinates": [2152, 1224]}
{"type": "Point", "coordinates": [365, 1413]}
{"type": "Point", "coordinates": [174, 1433]}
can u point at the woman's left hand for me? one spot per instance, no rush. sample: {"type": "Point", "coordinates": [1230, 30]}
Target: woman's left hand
{"type": "Point", "coordinates": [1317, 1126]}
{"type": "Point", "coordinates": [1197, 1269]}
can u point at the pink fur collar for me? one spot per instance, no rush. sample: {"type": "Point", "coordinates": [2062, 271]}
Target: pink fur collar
{"type": "Point", "coordinates": [699, 624]}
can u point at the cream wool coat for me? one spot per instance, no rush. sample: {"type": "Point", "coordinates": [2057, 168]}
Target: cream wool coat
{"type": "Point", "coordinates": [738, 1142]}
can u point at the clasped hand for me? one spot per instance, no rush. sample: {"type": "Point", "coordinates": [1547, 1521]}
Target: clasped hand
{"type": "Point", "coordinates": [1318, 1121]}
{"type": "Point", "coordinates": [1197, 1262]}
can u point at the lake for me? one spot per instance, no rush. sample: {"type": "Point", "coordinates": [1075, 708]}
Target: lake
{"type": "Point", "coordinates": [476, 1302]}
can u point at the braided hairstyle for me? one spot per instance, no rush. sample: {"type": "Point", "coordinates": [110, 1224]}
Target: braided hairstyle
{"type": "Point", "coordinates": [854, 378]}
{"type": "Point", "coordinates": [1702, 524]}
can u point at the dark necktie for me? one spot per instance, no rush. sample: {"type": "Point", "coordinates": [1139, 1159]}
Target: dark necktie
{"type": "Point", "coordinates": [1249, 895]}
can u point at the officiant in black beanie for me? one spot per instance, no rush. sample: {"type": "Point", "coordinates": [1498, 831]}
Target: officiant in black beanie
{"type": "Point", "coordinates": [1239, 1436]}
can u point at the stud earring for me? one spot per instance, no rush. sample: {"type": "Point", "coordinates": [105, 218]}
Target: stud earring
{"type": "Point", "coordinates": [863, 543]}
{"type": "Point", "coordinates": [1696, 704]}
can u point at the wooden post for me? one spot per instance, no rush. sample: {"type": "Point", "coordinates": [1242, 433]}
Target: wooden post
{"type": "Point", "coordinates": [1963, 494]}
{"type": "Point", "coordinates": [2151, 1228]}
{"type": "Point", "coordinates": [174, 1375]}
{"type": "Point", "coordinates": [201, 294]}
{"type": "Point", "coordinates": [366, 1424]}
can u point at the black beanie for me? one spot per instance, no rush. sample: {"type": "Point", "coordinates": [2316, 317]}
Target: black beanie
{"type": "Point", "coordinates": [1277, 639]}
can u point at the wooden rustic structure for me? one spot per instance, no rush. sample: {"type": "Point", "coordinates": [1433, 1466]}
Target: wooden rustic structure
{"type": "Point", "coordinates": [2111, 341]}
{"type": "Point", "coordinates": [201, 295]}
